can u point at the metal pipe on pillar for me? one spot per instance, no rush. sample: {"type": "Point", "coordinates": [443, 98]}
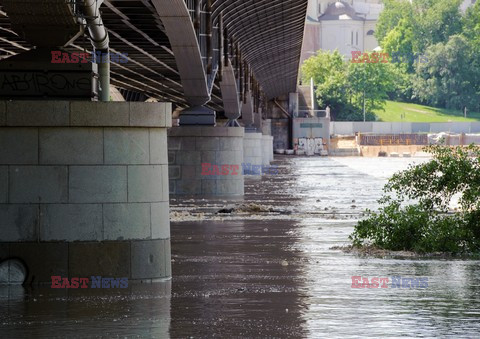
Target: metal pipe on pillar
{"type": "Point", "coordinates": [246, 88]}
{"type": "Point", "coordinates": [237, 59]}
{"type": "Point", "coordinates": [240, 78]}
{"type": "Point", "coordinates": [226, 45]}
{"type": "Point", "coordinates": [232, 50]}
{"type": "Point", "coordinates": [220, 46]}
{"type": "Point", "coordinates": [100, 41]}
{"type": "Point", "coordinates": [254, 92]}
{"type": "Point", "coordinates": [196, 21]}
{"type": "Point", "coordinates": [209, 36]}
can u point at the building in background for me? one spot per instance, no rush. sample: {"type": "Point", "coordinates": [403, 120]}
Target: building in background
{"type": "Point", "coordinates": [347, 25]}
{"type": "Point", "coordinates": [465, 4]}
{"type": "Point", "coordinates": [344, 25]}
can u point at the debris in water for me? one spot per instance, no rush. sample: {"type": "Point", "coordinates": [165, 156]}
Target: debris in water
{"type": "Point", "coordinates": [226, 210]}
{"type": "Point", "coordinates": [254, 208]}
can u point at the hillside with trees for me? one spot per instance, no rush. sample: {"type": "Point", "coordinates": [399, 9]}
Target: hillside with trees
{"type": "Point", "coordinates": [448, 42]}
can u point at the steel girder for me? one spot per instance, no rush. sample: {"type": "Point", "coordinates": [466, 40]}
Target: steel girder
{"type": "Point", "coordinates": [268, 34]}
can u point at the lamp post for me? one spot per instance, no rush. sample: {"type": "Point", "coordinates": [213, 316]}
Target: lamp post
{"type": "Point", "coordinates": [364, 75]}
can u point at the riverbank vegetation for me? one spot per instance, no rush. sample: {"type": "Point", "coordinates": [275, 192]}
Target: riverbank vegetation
{"type": "Point", "coordinates": [416, 213]}
{"type": "Point", "coordinates": [395, 111]}
{"type": "Point", "coordinates": [443, 69]}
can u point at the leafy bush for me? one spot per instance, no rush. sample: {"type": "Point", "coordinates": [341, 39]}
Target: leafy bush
{"type": "Point", "coordinates": [346, 86]}
{"type": "Point", "coordinates": [415, 213]}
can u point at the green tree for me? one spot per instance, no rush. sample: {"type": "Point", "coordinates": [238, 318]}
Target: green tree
{"type": "Point", "coordinates": [471, 31]}
{"type": "Point", "coordinates": [342, 85]}
{"type": "Point", "coordinates": [328, 71]}
{"type": "Point", "coordinates": [415, 213]}
{"type": "Point", "coordinates": [471, 24]}
{"type": "Point", "coordinates": [372, 80]}
{"type": "Point", "coordinates": [392, 14]}
{"type": "Point", "coordinates": [321, 66]}
{"type": "Point", "coordinates": [435, 21]}
{"type": "Point", "coordinates": [451, 78]}
{"type": "Point", "coordinates": [418, 24]}
{"type": "Point", "coordinates": [400, 41]}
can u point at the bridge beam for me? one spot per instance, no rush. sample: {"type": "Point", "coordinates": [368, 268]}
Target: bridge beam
{"type": "Point", "coordinates": [230, 97]}
{"type": "Point", "coordinates": [248, 115]}
{"type": "Point", "coordinates": [181, 34]}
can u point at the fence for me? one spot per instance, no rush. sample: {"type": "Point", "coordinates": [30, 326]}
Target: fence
{"type": "Point", "coordinates": [309, 113]}
{"type": "Point", "coordinates": [393, 139]}
{"type": "Point", "coordinates": [350, 128]}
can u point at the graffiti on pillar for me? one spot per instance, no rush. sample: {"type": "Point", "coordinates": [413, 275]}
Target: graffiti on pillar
{"type": "Point", "coordinates": [302, 144]}
{"type": "Point", "coordinates": [318, 145]}
{"type": "Point", "coordinates": [311, 146]}
{"type": "Point", "coordinates": [45, 84]}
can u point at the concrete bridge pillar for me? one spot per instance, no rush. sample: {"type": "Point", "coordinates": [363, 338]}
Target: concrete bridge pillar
{"type": "Point", "coordinates": [248, 116]}
{"type": "Point", "coordinates": [258, 122]}
{"type": "Point", "coordinates": [84, 188]}
{"type": "Point", "coordinates": [206, 160]}
{"type": "Point", "coordinates": [253, 150]}
{"type": "Point", "coordinates": [267, 149]}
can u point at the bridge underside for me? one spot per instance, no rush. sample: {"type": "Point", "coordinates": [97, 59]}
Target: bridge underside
{"type": "Point", "coordinates": [262, 38]}
{"type": "Point", "coordinates": [85, 182]}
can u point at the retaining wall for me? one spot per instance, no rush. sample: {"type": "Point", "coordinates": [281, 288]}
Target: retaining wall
{"type": "Point", "coordinates": [350, 128]}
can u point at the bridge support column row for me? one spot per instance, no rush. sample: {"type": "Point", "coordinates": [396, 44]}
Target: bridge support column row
{"type": "Point", "coordinates": [84, 189]}
{"type": "Point", "coordinates": [253, 149]}
{"type": "Point", "coordinates": [197, 153]}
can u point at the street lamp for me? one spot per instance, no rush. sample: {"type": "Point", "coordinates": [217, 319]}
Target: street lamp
{"type": "Point", "coordinates": [364, 75]}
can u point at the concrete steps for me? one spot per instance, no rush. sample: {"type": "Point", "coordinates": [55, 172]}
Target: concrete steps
{"type": "Point", "coordinates": [345, 152]}
{"type": "Point", "coordinates": [304, 98]}
{"type": "Point", "coordinates": [346, 143]}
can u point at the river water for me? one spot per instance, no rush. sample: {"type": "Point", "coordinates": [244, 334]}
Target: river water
{"type": "Point", "coordinates": [268, 270]}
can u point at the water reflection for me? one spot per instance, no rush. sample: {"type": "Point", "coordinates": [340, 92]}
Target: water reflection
{"type": "Point", "coordinates": [232, 279]}
{"type": "Point", "coordinates": [269, 276]}
{"type": "Point", "coordinates": [141, 309]}
{"type": "Point", "coordinates": [450, 304]}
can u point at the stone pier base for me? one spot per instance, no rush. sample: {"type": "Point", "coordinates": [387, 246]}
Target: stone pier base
{"type": "Point", "coordinates": [267, 149]}
{"type": "Point", "coordinates": [84, 189]}
{"type": "Point", "coordinates": [253, 149]}
{"type": "Point", "coordinates": [191, 146]}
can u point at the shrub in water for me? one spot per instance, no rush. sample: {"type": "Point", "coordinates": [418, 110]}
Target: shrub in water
{"type": "Point", "coordinates": [415, 213]}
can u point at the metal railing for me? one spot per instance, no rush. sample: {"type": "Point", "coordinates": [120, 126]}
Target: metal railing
{"type": "Point", "coordinates": [310, 113]}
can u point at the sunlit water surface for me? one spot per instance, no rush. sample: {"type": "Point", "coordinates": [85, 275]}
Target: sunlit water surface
{"type": "Point", "coordinates": [273, 275]}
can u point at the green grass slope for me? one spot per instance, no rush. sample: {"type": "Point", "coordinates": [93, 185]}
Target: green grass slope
{"type": "Point", "coordinates": [405, 112]}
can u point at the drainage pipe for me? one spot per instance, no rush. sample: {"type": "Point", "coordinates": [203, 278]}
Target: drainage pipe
{"type": "Point", "coordinates": [100, 41]}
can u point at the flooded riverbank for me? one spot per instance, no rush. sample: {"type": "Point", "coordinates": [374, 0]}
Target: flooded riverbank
{"type": "Point", "coordinates": [269, 271]}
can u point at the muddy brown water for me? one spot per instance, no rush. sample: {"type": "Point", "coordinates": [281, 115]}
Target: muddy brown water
{"type": "Point", "coordinates": [268, 274]}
